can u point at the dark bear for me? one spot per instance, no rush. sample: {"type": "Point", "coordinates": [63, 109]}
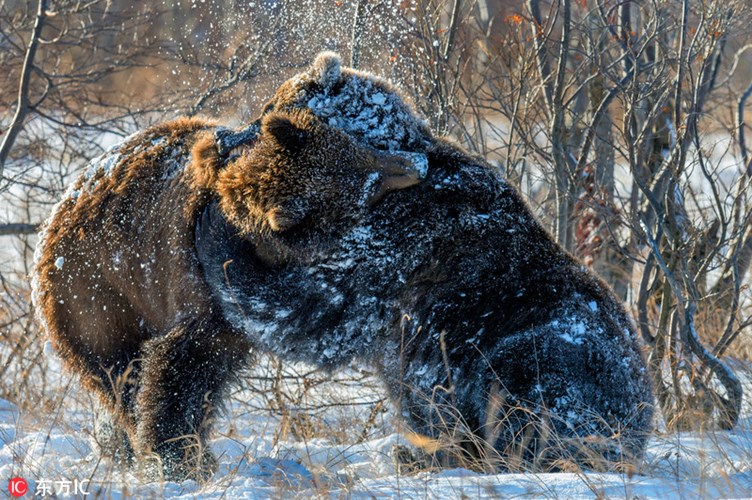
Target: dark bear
{"type": "Point", "coordinates": [483, 328]}
{"type": "Point", "coordinates": [121, 291]}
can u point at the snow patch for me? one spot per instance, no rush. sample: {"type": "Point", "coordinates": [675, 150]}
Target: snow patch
{"type": "Point", "coordinates": [575, 330]}
{"type": "Point", "coordinates": [360, 105]}
{"type": "Point", "coordinates": [176, 162]}
{"type": "Point", "coordinates": [419, 162]}
{"type": "Point", "coordinates": [368, 188]}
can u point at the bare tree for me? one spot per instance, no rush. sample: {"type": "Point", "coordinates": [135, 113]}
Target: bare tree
{"type": "Point", "coordinates": [616, 107]}
{"type": "Point", "coordinates": [23, 105]}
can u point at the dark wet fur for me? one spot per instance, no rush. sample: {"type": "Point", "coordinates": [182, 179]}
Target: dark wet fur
{"type": "Point", "coordinates": [478, 322]}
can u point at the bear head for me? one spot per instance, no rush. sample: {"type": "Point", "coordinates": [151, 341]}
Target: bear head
{"type": "Point", "coordinates": [362, 105]}
{"type": "Point", "coordinates": [304, 179]}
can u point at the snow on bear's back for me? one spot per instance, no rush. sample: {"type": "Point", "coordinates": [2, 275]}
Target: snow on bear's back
{"type": "Point", "coordinates": [364, 106]}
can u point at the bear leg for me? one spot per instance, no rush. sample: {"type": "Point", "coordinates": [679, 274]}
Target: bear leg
{"type": "Point", "coordinates": [109, 367]}
{"type": "Point", "coordinates": [184, 375]}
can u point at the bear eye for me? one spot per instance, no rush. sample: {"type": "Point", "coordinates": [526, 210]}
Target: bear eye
{"type": "Point", "coordinates": [284, 217]}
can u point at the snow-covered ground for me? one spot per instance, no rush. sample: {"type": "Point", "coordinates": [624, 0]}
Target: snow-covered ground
{"type": "Point", "coordinates": [337, 439]}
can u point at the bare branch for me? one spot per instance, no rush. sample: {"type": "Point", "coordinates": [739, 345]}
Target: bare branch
{"type": "Point", "coordinates": [741, 130]}
{"type": "Point", "coordinates": [544, 68]}
{"type": "Point", "coordinates": [23, 106]}
{"type": "Point", "coordinates": [18, 229]}
{"type": "Point", "coordinates": [452, 30]}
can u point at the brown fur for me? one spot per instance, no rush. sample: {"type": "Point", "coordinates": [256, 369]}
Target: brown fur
{"type": "Point", "coordinates": [266, 191]}
{"type": "Point", "coordinates": [203, 171]}
{"type": "Point", "coordinates": [129, 294]}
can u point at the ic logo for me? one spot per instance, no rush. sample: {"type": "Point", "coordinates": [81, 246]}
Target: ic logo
{"type": "Point", "coordinates": [18, 487]}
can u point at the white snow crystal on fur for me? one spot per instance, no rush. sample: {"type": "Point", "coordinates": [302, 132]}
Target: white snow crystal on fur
{"type": "Point", "coordinates": [364, 112]}
{"type": "Point", "coordinates": [48, 349]}
{"type": "Point", "coordinates": [419, 162]}
{"type": "Point", "coordinates": [59, 262]}
{"type": "Point", "coordinates": [574, 333]}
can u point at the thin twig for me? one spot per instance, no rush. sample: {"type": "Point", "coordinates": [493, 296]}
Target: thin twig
{"type": "Point", "coordinates": [13, 229]}
{"type": "Point", "coordinates": [359, 23]}
{"type": "Point", "coordinates": [740, 127]}
{"type": "Point", "coordinates": [453, 26]}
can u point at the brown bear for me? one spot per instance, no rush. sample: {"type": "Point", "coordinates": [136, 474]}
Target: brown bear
{"type": "Point", "coordinates": [121, 291]}
{"type": "Point", "coordinates": [485, 331]}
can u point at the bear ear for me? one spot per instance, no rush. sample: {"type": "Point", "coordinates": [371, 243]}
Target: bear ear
{"type": "Point", "coordinates": [285, 132]}
{"type": "Point", "coordinates": [398, 170]}
{"type": "Point", "coordinates": [326, 69]}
